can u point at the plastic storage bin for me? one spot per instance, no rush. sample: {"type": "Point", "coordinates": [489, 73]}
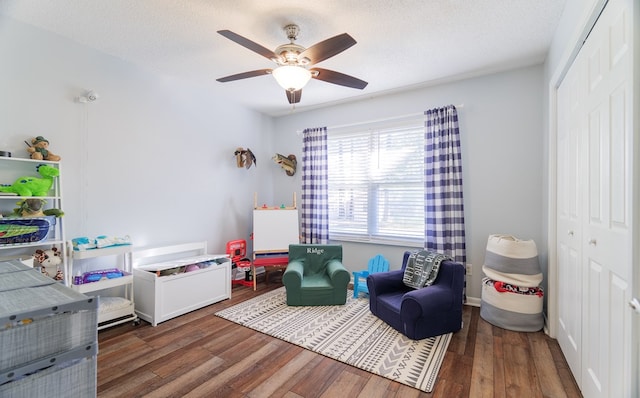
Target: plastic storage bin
{"type": "Point", "coordinates": [23, 231]}
{"type": "Point", "coordinates": [42, 323]}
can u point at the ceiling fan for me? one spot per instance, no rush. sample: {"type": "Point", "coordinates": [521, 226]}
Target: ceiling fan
{"type": "Point", "coordinates": [293, 72]}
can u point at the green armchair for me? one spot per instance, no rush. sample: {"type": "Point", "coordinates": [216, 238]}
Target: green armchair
{"type": "Point", "coordinates": [315, 275]}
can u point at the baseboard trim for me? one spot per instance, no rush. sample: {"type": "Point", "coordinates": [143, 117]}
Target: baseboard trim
{"type": "Point", "coordinates": [473, 301]}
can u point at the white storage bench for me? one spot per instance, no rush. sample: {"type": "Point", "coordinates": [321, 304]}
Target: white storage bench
{"type": "Point", "coordinates": [170, 281]}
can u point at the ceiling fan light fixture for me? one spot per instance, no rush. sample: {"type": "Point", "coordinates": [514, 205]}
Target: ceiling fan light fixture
{"type": "Point", "coordinates": [291, 77]}
{"type": "Point", "coordinates": [293, 61]}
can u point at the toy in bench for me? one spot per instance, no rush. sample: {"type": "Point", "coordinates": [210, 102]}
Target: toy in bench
{"type": "Point", "coordinates": [183, 267]}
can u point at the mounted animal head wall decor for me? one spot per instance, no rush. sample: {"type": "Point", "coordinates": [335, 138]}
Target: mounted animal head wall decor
{"type": "Point", "coordinates": [245, 158]}
{"type": "Point", "coordinates": [288, 163]}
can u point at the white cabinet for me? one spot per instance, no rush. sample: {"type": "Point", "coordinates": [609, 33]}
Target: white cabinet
{"type": "Point", "coordinates": [173, 280]}
{"type": "Point", "coordinates": [113, 309]}
{"type": "Point", "coordinates": [24, 245]}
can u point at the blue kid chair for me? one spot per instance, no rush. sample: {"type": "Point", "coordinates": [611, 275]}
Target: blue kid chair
{"type": "Point", "coordinates": [419, 313]}
{"type": "Point", "coordinates": [376, 264]}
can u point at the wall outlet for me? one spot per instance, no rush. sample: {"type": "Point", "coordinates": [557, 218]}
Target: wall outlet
{"type": "Point", "coordinates": [469, 269]}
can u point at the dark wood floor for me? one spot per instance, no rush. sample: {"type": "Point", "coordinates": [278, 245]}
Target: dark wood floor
{"type": "Point", "coordinates": [201, 355]}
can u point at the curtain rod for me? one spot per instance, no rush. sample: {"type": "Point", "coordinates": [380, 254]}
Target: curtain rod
{"type": "Point", "coordinates": [341, 126]}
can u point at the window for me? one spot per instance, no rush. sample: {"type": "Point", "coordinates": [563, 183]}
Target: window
{"type": "Point", "coordinates": [376, 189]}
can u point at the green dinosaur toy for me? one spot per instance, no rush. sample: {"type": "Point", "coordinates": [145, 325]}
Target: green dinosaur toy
{"type": "Point", "coordinates": [33, 186]}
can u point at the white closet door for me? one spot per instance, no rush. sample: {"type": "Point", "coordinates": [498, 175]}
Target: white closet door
{"type": "Point", "coordinates": [569, 225]}
{"type": "Point", "coordinates": [607, 253]}
{"type": "Point", "coordinates": [597, 259]}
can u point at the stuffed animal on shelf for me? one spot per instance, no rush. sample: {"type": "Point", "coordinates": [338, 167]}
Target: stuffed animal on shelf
{"type": "Point", "coordinates": [33, 186]}
{"type": "Point", "coordinates": [49, 262]}
{"type": "Point", "coordinates": [288, 163]}
{"type": "Point", "coordinates": [245, 158]}
{"type": "Point", "coordinates": [33, 208]}
{"type": "Point", "coordinates": [39, 149]}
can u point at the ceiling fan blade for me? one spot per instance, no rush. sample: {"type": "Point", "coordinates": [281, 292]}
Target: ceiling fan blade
{"type": "Point", "coordinates": [327, 48]}
{"type": "Point", "coordinates": [251, 45]}
{"type": "Point", "coordinates": [245, 75]}
{"type": "Point", "coordinates": [338, 78]}
{"type": "Point", "coordinates": [294, 96]}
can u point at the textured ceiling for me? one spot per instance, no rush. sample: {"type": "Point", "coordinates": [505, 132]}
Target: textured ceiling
{"type": "Point", "coordinates": [401, 43]}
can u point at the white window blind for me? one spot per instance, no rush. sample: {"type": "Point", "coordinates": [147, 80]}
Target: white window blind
{"type": "Point", "coordinates": [376, 189]}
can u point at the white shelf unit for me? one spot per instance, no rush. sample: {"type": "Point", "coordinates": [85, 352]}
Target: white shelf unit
{"type": "Point", "coordinates": [10, 170]}
{"type": "Point", "coordinates": [108, 314]}
{"type": "Point", "coordinates": [164, 291]}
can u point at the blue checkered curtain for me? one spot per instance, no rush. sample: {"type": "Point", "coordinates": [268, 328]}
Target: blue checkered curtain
{"type": "Point", "coordinates": [443, 207]}
{"type": "Point", "coordinates": [315, 177]}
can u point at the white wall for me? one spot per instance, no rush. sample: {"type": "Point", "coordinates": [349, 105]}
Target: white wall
{"type": "Point", "coordinates": [502, 133]}
{"type": "Point", "coordinates": [151, 158]}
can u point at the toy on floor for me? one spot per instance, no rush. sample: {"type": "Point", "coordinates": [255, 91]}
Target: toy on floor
{"type": "Point", "coordinates": [39, 149]}
{"type": "Point", "coordinates": [33, 186]}
{"type": "Point", "coordinates": [376, 264]}
{"type": "Point", "coordinates": [237, 250]}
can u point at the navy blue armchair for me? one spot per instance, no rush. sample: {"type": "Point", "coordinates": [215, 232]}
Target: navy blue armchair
{"type": "Point", "coordinates": [419, 313]}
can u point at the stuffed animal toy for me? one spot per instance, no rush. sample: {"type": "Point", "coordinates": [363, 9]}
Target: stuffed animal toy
{"type": "Point", "coordinates": [33, 208]}
{"type": "Point", "coordinates": [39, 149]}
{"type": "Point", "coordinates": [49, 262]}
{"type": "Point", "coordinates": [33, 186]}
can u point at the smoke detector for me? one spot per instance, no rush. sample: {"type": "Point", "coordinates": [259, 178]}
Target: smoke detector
{"type": "Point", "coordinates": [88, 96]}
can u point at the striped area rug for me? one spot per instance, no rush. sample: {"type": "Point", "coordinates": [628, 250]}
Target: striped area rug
{"type": "Point", "coordinates": [349, 334]}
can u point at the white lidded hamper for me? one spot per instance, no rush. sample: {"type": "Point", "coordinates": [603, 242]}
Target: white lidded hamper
{"type": "Point", "coordinates": [511, 296]}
